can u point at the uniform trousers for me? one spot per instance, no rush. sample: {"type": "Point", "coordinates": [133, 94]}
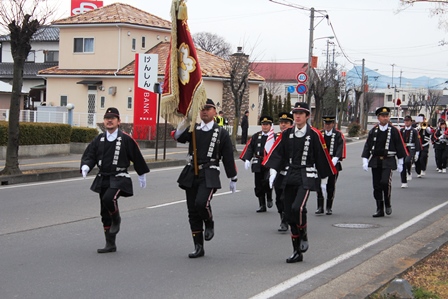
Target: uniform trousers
{"type": "Point", "coordinates": [262, 189]}
{"type": "Point", "coordinates": [279, 198]}
{"type": "Point", "coordinates": [441, 156]}
{"type": "Point", "coordinates": [420, 164]}
{"type": "Point", "coordinates": [407, 165]}
{"type": "Point", "coordinates": [198, 202]}
{"type": "Point", "coordinates": [295, 199]}
{"type": "Point", "coordinates": [382, 180]}
{"type": "Point", "coordinates": [331, 187]}
{"type": "Point", "coordinates": [108, 201]}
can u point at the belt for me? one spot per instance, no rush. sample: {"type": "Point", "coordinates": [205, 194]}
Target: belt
{"type": "Point", "coordinates": [206, 165]}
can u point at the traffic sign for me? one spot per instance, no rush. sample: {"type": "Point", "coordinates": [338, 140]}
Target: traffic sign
{"type": "Point", "coordinates": [291, 89]}
{"type": "Point", "coordinates": [301, 88]}
{"type": "Point", "coordinates": [302, 77]}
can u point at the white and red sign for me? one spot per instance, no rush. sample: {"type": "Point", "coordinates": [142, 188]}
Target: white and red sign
{"type": "Point", "coordinates": [145, 99]}
{"type": "Point", "coordinates": [302, 77]}
{"type": "Point", "coordinates": [82, 6]}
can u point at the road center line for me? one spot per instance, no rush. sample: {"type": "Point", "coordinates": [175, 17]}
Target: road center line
{"type": "Point", "coordinates": [180, 201]}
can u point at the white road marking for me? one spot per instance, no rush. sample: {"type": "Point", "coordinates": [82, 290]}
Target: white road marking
{"type": "Point", "coordinates": [180, 201]}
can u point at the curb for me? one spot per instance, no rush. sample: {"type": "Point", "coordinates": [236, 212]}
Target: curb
{"type": "Point", "coordinates": [71, 173]}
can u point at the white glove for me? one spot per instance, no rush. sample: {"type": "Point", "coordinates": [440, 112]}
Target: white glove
{"type": "Point", "coordinates": [247, 164]}
{"type": "Point", "coordinates": [232, 186]}
{"type": "Point", "coordinates": [142, 180]}
{"type": "Point", "coordinates": [416, 156]}
{"type": "Point", "coordinates": [335, 160]}
{"type": "Point", "coordinates": [272, 176]}
{"type": "Point", "coordinates": [365, 164]}
{"type": "Point", "coordinates": [85, 170]}
{"type": "Point", "coordinates": [400, 165]}
{"type": "Point", "coordinates": [181, 127]}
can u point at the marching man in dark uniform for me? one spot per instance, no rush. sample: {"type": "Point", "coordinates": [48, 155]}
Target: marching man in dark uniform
{"type": "Point", "coordinates": [301, 152]}
{"type": "Point", "coordinates": [253, 154]}
{"type": "Point", "coordinates": [335, 142]}
{"type": "Point", "coordinates": [213, 142]}
{"type": "Point", "coordinates": [425, 131]}
{"type": "Point", "coordinates": [285, 121]}
{"type": "Point", "coordinates": [383, 144]}
{"type": "Point", "coordinates": [440, 140]}
{"type": "Point", "coordinates": [411, 139]}
{"type": "Point", "coordinates": [112, 152]}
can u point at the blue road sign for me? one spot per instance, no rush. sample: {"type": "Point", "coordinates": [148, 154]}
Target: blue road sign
{"type": "Point", "coordinates": [301, 88]}
{"type": "Point", "coordinates": [290, 89]}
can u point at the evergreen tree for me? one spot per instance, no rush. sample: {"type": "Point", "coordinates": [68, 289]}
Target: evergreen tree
{"type": "Point", "coordinates": [288, 106]}
{"type": "Point", "coordinates": [279, 105]}
{"type": "Point", "coordinates": [265, 108]}
{"type": "Point", "coordinates": [270, 100]}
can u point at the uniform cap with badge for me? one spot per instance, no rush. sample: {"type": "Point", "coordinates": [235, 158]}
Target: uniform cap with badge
{"type": "Point", "coordinates": [111, 113]}
{"type": "Point", "coordinates": [328, 119]}
{"type": "Point", "coordinates": [301, 107]}
{"type": "Point", "coordinates": [266, 119]}
{"type": "Point", "coordinates": [285, 116]}
{"type": "Point", "coordinates": [382, 111]}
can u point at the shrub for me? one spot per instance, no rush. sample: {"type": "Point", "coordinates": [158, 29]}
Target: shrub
{"type": "Point", "coordinates": [84, 135]}
{"type": "Point", "coordinates": [354, 129]}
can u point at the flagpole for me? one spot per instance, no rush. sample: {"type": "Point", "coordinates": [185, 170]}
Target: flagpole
{"type": "Point", "coordinates": [195, 156]}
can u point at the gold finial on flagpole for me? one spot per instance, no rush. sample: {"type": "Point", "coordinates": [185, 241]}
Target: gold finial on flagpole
{"type": "Point", "coordinates": [182, 13]}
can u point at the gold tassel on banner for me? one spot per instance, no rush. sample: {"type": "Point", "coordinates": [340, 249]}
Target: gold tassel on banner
{"type": "Point", "coordinates": [182, 13]}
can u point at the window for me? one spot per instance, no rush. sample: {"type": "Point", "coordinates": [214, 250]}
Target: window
{"type": "Point", "coordinates": [63, 101]}
{"type": "Point", "coordinates": [31, 57]}
{"type": "Point", "coordinates": [143, 42]}
{"type": "Point", "coordinates": [102, 101]}
{"type": "Point", "coordinates": [83, 45]}
{"type": "Point", "coordinates": [133, 44]}
{"type": "Point", "coordinates": [389, 98]}
{"type": "Point", "coordinates": [129, 102]}
{"type": "Point", "coordinates": [51, 56]}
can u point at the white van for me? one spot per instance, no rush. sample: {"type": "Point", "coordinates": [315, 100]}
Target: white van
{"type": "Point", "coordinates": [397, 121]}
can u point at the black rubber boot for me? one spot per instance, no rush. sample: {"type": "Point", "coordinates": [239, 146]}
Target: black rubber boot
{"type": "Point", "coordinates": [209, 230]}
{"type": "Point", "coordinates": [297, 254]}
{"type": "Point", "coordinates": [198, 240]}
{"type": "Point", "coordinates": [110, 243]}
{"type": "Point", "coordinates": [379, 209]}
{"type": "Point", "coordinates": [116, 221]}
{"type": "Point", "coordinates": [303, 239]}
{"type": "Point", "coordinates": [262, 202]}
{"type": "Point", "coordinates": [329, 206]}
{"type": "Point", "coordinates": [320, 205]}
{"type": "Point", "coordinates": [283, 223]}
{"type": "Point", "coordinates": [388, 206]}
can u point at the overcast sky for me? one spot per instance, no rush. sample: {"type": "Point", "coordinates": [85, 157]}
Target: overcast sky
{"type": "Point", "coordinates": [369, 29]}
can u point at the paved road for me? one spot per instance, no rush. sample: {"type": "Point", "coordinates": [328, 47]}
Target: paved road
{"type": "Point", "coordinates": [49, 233]}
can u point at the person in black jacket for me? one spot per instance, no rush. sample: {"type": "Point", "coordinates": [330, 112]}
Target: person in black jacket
{"type": "Point", "coordinates": [412, 141]}
{"type": "Point", "coordinates": [335, 141]}
{"type": "Point", "coordinates": [212, 143]}
{"type": "Point", "coordinates": [112, 152]}
{"type": "Point", "coordinates": [383, 144]}
{"type": "Point", "coordinates": [253, 154]}
{"type": "Point", "coordinates": [300, 153]}
{"type": "Point", "coordinates": [244, 127]}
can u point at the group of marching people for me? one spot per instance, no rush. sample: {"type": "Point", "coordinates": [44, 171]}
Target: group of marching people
{"type": "Point", "coordinates": [294, 162]}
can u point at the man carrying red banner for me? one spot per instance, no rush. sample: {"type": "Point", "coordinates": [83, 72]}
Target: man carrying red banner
{"type": "Point", "coordinates": [183, 99]}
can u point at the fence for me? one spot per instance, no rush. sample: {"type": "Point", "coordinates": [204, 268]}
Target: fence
{"type": "Point", "coordinates": [80, 119]}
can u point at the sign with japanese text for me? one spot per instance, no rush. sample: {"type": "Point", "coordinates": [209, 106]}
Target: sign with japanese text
{"type": "Point", "coordinates": [145, 99]}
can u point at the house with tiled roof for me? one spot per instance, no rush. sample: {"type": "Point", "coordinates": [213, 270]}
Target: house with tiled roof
{"type": "Point", "coordinates": [44, 54]}
{"type": "Point", "coordinates": [281, 77]}
{"type": "Point", "coordinates": [96, 65]}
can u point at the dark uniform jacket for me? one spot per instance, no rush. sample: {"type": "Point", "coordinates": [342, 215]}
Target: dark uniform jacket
{"type": "Point", "coordinates": [411, 138]}
{"type": "Point", "coordinates": [425, 137]}
{"type": "Point", "coordinates": [438, 139]}
{"type": "Point", "coordinates": [336, 146]}
{"type": "Point", "coordinates": [254, 151]}
{"type": "Point", "coordinates": [305, 157]}
{"type": "Point", "coordinates": [375, 147]}
{"type": "Point", "coordinates": [113, 160]}
{"type": "Point", "coordinates": [211, 147]}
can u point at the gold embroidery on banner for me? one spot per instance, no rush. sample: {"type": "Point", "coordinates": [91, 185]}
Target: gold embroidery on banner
{"type": "Point", "coordinates": [186, 64]}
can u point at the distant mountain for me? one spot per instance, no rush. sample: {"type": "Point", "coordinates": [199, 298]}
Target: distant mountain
{"type": "Point", "coordinates": [377, 80]}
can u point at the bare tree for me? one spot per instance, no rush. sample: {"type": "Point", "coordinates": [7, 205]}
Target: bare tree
{"type": "Point", "coordinates": [440, 10]}
{"type": "Point", "coordinates": [212, 43]}
{"type": "Point", "coordinates": [22, 18]}
{"type": "Point", "coordinates": [432, 102]}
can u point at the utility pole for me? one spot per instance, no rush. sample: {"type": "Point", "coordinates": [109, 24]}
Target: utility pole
{"type": "Point", "coordinates": [310, 54]}
{"type": "Point", "coordinates": [361, 100]}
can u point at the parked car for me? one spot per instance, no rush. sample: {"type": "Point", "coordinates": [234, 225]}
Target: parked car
{"type": "Point", "coordinates": [397, 121]}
